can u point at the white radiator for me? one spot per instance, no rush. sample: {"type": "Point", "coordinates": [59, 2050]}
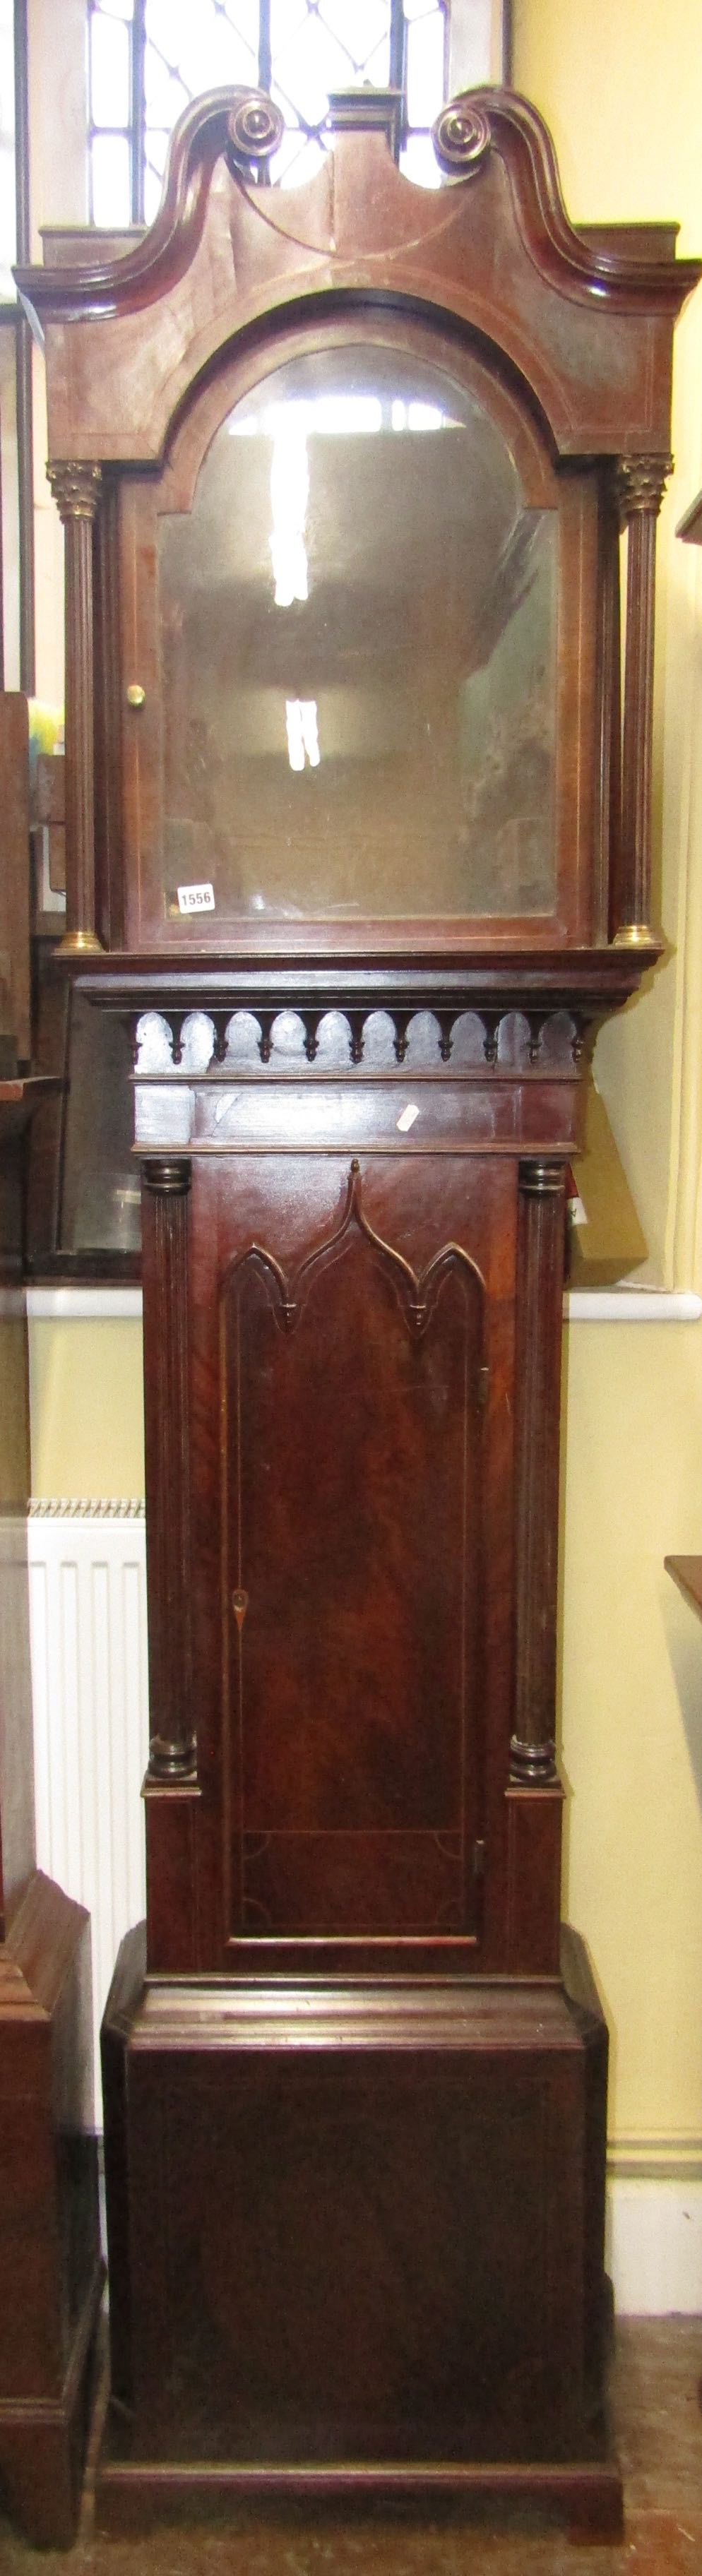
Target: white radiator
{"type": "Point", "coordinates": [87, 1593]}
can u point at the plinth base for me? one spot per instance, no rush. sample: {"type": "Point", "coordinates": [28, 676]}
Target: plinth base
{"type": "Point", "coordinates": [42, 2447]}
{"type": "Point", "coordinates": [356, 2242]}
{"type": "Point", "coordinates": [132, 2495]}
{"type": "Point", "coordinates": [51, 2273]}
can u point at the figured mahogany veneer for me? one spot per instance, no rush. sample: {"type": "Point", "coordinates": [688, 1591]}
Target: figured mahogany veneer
{"type": "Point", "coordinates": [350, 2300]}
{"type": "Point", "coordinates": [368, 857]}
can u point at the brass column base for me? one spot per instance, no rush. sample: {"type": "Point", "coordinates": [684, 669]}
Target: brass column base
{"type": "Point", "coordinates": [634, 934]}
{"type": "Point", "coordinates": [80, 943]}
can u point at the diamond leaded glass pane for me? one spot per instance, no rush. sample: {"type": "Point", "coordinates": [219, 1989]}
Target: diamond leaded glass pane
{"type": "Point", "coordinates": [307, 66]}
{"type": "Point", "coordinates": [110, 71]}
{"type": "Point", "coordinates": [204, 47]}
{"type": "Point", "coordinates": [147, 58]}
{"type": "Point", "coordinates": [424, 63]}
{"type": "Point", "coordinates": [110, 179]}
{"type": "Point", "coordinates": [357, 39]}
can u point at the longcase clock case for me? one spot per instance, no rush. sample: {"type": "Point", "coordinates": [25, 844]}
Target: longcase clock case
{"type": "Point", "coordinates": [358, 839]}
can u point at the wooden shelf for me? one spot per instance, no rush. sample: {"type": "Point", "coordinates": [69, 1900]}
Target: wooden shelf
{"type": "Point", "coordinates": [690, 528]}
{"type": "Point", "coordinates": [21, 1095]}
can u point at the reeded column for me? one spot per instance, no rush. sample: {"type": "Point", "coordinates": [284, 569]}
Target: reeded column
{"type": "Point", "coordinates": [76, 489]}
{"type": "Point", "coordinates": [541, 1259]}
{"type": "Point", "coordinates": [639, 483]}
{"type": "Point", "coordinates": [165, 1203]}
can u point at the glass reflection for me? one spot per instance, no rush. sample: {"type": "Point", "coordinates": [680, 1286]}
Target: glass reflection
{"type": "Point", "coordinates": [358, 622]}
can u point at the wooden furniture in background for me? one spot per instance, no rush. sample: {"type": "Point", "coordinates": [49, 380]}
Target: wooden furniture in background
{"type": "Point", "coordinates": [605, 1238]}
{"type": "Point", "coordinates": [51, 2271]}
{"type": "Point", "coordinates": [347, 467]}
{"type": "Point", "coordinates": [15, 1002]}
{"type": "Point", "coordinates": [82, 1211]}
{"type": "Point", "coordinates": [50, 2266]}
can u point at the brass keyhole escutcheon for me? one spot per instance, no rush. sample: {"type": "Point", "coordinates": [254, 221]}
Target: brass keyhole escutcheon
{"type": "Point", "coordinates": [240, 1603]}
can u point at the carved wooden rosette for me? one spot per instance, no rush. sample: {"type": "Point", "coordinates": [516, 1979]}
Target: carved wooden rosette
{"type": "Point", "coordinates": [538, 1374]}
{"type": "Point", "coordinates": [461, 137]}
{"type": "Point", "coordinates": [255, 129]}
{"type": "Point", "coordinates": [165, 1200]}
{"type": "Point", "coordinates": [76, 490]}
{"type": "Point", "coordinates": [639, 484]}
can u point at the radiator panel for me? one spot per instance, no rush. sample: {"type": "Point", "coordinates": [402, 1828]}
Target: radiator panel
{"type": "Point", "coordinates": [87, 1590]}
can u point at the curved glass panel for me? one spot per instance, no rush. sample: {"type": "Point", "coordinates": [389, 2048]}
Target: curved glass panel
{"type": "Point", "coordinates": [358, 637]}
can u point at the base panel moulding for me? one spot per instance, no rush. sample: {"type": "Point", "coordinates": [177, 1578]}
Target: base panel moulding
{"type": "Point", "coordinates": [356, 2240]}
{"type": "Point", "coordinates": [133, 2495]}
{"type": "Point", "coordinates": [51, 2272]}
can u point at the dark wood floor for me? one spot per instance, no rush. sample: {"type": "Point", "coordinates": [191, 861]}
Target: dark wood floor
{"type": "Point", "coordinates": [657, 2425]}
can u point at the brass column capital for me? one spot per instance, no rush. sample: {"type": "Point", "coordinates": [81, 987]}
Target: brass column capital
{"type": "Point", "coordinates": [76, 489]}
{"type": "Point", "coordinates": [639, 485]}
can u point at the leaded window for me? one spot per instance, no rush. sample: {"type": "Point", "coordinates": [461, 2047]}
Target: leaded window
{"type": "Point", "coordinates": [147, 58]}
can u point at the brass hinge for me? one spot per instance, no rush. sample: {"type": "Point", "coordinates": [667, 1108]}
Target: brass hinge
{"type": "Point", "coordinates": [483, 1388]}
{"type": "Point", "coordinates": [479, 1860]}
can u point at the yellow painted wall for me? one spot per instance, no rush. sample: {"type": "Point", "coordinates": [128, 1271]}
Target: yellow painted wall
{"type": "Point", "coordinates": [631, 1703]}
{"type": "Point", "coordinates": [621, 87]}
{"type": "Point", "coordinates": [87, 1411]}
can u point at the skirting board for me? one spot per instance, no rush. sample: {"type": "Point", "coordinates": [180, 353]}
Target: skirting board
{"type": "Point", "coordinates": [654, 2244]}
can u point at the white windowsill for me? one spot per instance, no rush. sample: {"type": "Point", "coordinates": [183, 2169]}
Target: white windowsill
{"type": "Point", "coordinates": [580, 1305]}
{"type": "Point", "coordinates": [86, 1305]}
{"type": "Point", "coordinates": [631, 1306]}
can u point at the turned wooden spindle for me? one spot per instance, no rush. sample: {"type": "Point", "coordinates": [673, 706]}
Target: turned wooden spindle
{"type": "Point", "coordinates": [165, 1210]}
{"type": "Point", "coordinates": [76, 490]}
{"type": "Point", "coordinates": [541, 1273]}
{"type": "Point", "coordinates": [639, 484]}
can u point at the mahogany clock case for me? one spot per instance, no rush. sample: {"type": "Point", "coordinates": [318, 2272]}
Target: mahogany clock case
{"type": "Point", "coordinates": [358, 841]}
{"type": "Point", "coordinates": [505, 380]}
